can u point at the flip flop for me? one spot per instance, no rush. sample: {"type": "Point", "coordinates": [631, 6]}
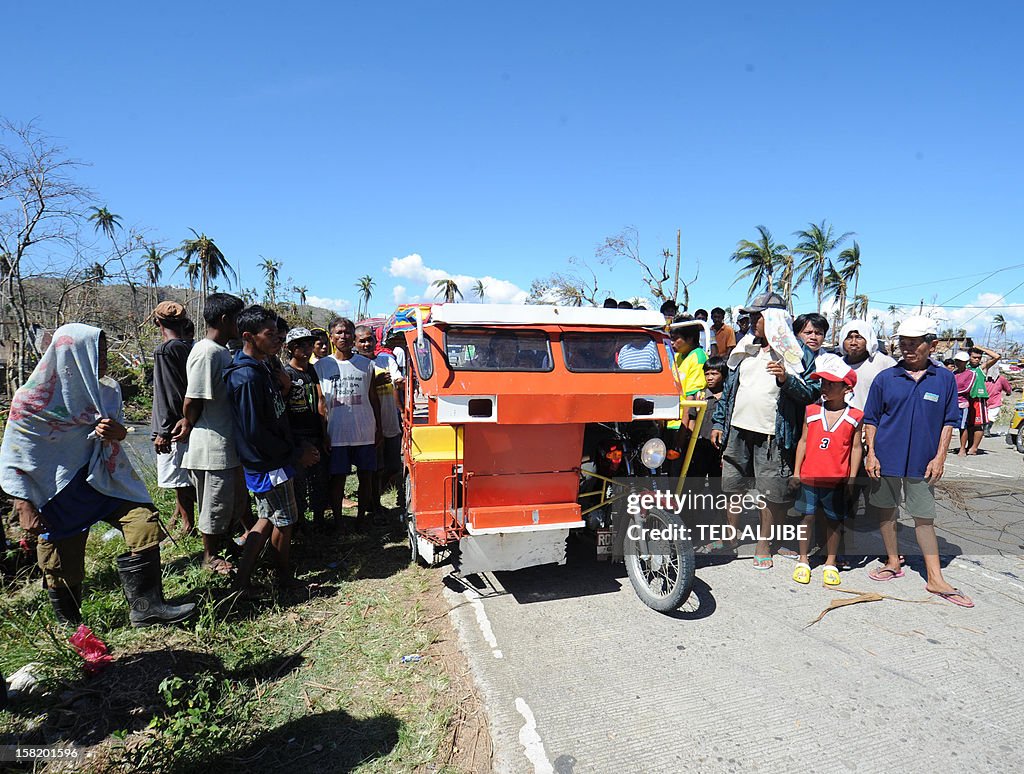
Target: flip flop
{"type": "Point", "coordinates": [830, 575]}
{"type": "Point", "coordinates": [802, 573]}
{"type": "Point", "coordinates": [763, 563]}
{"type": "Point", "coordinates": [218, 566]}
{"type": "Point", "coordinates": [883, 574]}
{"type": "Point", "coordinates": [950, 596]}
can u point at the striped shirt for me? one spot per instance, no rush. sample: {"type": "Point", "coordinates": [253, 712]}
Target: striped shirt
{"type": "Point", "coordinates": [642, 358]}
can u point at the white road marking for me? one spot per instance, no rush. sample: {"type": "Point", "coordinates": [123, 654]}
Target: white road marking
{"type": "Point", "coordinates": [984, 472]}
{"type": "Point", "coordinates": [531, 741]}
{"type": "Point", "coordinates": [483, 621]}
{"type": "Point", "coordinates": [997, 578]}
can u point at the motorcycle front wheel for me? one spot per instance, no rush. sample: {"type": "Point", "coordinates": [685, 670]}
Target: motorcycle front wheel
{"type": "Point", "coordinates": [661, 570]}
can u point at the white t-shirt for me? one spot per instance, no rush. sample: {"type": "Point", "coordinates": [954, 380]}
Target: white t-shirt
{"type": "Point", "coordinates": [389, 421]}
{"type": "Point", "coordinates": [400, 358]}
{"type": "Point", "coordinates": [211, 445]}
{"type": "Point", "coordinates": [866, 371]}
{"type": "Point", "coordinates": [346, 385]}
{"type": "Point", "coordinates": [757, 395]}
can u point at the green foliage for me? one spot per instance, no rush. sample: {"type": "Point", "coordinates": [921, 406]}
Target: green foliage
{"type": "Point", "coordinates": [136, 388]}
{"type": "Point", "coordinates": [201, 721]}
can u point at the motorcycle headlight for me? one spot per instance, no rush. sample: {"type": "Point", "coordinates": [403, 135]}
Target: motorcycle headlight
{"type": "Point", "coordinates": [653, 453]}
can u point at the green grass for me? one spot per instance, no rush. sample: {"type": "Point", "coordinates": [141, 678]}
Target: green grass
{"type": "Point", "coordinates": [313, 683]}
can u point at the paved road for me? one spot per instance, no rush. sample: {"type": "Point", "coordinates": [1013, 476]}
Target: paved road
{"type": "Point", "coordinates": [578, 676]}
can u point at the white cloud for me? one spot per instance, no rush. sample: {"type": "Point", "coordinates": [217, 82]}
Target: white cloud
{"type": "Point", "coordinates": [411, 267]}
{"type": "Point", "coordinates": [975, 317]}
{"type": "Point", "coordinates": [337, 304]}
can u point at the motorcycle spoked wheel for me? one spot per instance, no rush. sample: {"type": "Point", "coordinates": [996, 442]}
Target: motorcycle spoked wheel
{"type": "Point", "coordinates": [662, 574]}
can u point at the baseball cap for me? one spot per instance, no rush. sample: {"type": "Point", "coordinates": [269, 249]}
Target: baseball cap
{"type": "Point", "coordinates": [764, 301]}
{"type": "Point", "coordinates": [833, 368]}
{"type": "Point", "coordinates": [169, 311]}
{"type": "Point", "coordinates": [917, 326]}
{"type": "Point", "coordinates": [298, 333]}
{"type": "Point", "coordinates": [961, 355]}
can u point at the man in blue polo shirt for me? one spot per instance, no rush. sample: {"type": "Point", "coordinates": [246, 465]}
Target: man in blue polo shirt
{"type": "Point", "coordinates": [908, 422]}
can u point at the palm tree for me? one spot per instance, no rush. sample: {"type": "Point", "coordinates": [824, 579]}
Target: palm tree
{"type": "Point", "coordinates": [835, 284]}
{"type": "Point", "coordinates": [999, 325]}
{"type": "Point", "coordinates": [301, 291]}
{"type": "Point", "coordinates": [850, 265]}
{"type": "Point", "coordinates": [210, 264]}
{"type": "Point", "coordinates": [816, 245]}
{"type": "Point", "coordinates": [893, 310]}
{"type": "Point", "coordinates": [192, 271]}
{"type": "Point", "coordinates": [365, 287]}
{"type": "Point", "coordinates": [152, 260]}
{"type": "Point", "coordinates": [104, 220]}
{"type": "Point", "coordinates": [448, 289]}
{"type": "Point", "coordinates": [761, 259]}
{"type": "Point", "coordinates": [858, 308]}
{"type": "Point", "coordinates": [785, 268]}
{"type": "Point", "coordinates": [272, 270]}
{"type": "Point", "coordinates": [479, 289]}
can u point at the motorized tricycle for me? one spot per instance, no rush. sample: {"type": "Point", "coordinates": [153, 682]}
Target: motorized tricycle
{"type": "Point", "coordinates": [524, 423]}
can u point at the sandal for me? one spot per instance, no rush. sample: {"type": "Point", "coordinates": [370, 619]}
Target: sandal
{"type": "Point", "coordinates": [802, 573]}
{"type": "Point", "coordinates": [885, 574]}
{"type": "Point", "coordinates": [951, 596]}
{"type": "Point", "coordinates": [830, 575]}
{"type": "Point", "coordinates": [763, 563]}
{"type": "Point", "coordinates": [218, 566]}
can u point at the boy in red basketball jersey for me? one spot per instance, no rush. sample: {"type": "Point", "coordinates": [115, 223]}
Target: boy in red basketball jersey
{"type": "Point", "coordinates": [827, 460]}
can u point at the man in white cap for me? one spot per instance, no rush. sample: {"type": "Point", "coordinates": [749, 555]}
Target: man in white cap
{"type": "Point", "coordinates": [909, 419]}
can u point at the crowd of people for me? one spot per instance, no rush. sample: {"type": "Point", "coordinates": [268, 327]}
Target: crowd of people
{"type": "Point", "coordinates": [253, 425]}
{"type": "Point", "coordinates": [258, 423]}
{"type": "Point", "coordinates": [819, 430]}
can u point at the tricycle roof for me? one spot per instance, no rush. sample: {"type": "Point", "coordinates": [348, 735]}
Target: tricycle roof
{"type": "Point", "coordinates": [529, 314]}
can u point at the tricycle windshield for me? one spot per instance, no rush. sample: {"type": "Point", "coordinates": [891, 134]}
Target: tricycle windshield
{"type": "Point", "coordinates": [490, 350]}
{"type": "Point", "coordinates": [611, 352]}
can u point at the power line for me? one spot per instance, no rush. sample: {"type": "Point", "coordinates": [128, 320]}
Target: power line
{"type": "Point", "coordinates": [947, 306]}
{"type": "Point", "coordinates": [987, 307]}
{"type": "Point", "coordinates": [937, 282]}
{"type": "Point", "coordinates": [969, 287]}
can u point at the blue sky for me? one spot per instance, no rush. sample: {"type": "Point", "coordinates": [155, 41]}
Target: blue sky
{"type": "Point", "coordinates": [415, 140]}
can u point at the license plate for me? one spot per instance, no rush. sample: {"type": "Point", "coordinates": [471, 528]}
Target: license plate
{"type": "Point", "coordinates": [604, 542]}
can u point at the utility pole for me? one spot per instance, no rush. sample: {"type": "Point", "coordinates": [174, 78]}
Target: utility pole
{"type": "Point", "coordinates": [679, 255]}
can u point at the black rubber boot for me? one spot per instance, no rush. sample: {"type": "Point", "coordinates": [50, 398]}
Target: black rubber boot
{"type": "Point", "coordinates": [66, 604]}
{"type": "Point", "coordinates": [143, 588]}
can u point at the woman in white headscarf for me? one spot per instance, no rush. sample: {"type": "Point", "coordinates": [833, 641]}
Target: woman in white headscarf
{"type": "Point", "coordinates": [860, 351]}
{"type": "Point", "coordinates": [62, 462]}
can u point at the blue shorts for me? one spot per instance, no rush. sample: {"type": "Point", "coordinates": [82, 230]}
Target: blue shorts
{"type": "Point", "coordinates": [831, 500]}
{"type": "Point", "coordinates": [344, 457]}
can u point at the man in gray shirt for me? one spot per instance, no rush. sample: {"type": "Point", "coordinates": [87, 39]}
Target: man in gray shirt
{"type": "Point", "coordinates": [208, 426]}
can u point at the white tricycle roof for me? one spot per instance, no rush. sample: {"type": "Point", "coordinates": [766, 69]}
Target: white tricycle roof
{"type": "Point", "coordinates": [530, 314]}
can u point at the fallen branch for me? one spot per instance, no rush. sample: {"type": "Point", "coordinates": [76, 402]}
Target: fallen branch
{"type": "Point", "coordinates": [862, 596]}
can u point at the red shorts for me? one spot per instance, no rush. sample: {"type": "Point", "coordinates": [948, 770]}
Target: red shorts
{"type": "Point", "coordinates": [975, 415]}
